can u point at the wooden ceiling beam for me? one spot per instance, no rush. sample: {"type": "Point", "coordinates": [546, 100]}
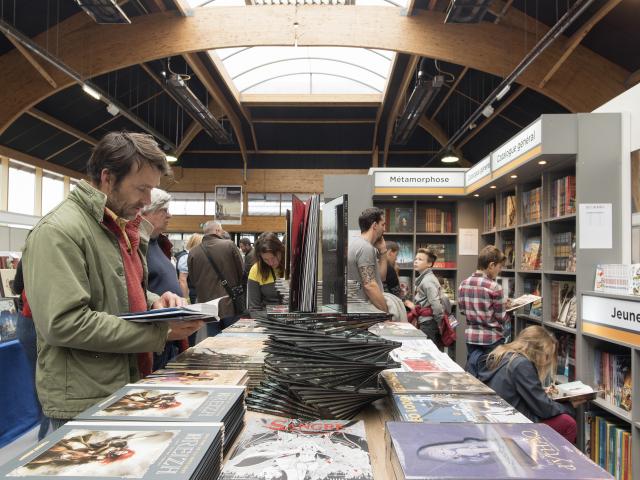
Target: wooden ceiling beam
{"type": "Point", "coordinates": [192, 132]}
{"type": "Point", "coordinates": [60, 125]}
{"type": "Point", "coordinates": [407, 77]}
{"type": "Point", "coordinates": [575, 39]}
{"type": "Point", "coordinates": [585, 81]}
{"type": "Point", "coordinates": [496, 113]}
{"type": "Point", "coordinates": [313, 121]}
{"type": "Point", "coordinates": [310, 152]}
{"type": "Point", "coordinates": [37, 162]}
{"type": "Point", "coordinates": [31, 59]}
{"type": "Point", "coordinates": [433, 128]}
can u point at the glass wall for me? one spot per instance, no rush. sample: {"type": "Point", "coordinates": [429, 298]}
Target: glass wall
{"type": "Point", "coordinates": [22, 188]}
{"type": "Point", "coordinates": [52, 191]}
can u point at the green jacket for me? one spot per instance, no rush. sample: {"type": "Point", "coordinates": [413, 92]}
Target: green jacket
{"type": "Point", "coordinates": [75, 283]}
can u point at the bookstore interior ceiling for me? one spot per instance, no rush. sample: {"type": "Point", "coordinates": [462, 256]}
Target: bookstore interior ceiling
{"type": "Point", "coordinates": [302, 84]}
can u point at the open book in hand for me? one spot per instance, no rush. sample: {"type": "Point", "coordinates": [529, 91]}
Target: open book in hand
{"type": "Point", "coordinates": [515, 303]}
{"type": "Point", "coordinates": [207, 312]}
{"type": "Point", "coordinates": [571, 391]}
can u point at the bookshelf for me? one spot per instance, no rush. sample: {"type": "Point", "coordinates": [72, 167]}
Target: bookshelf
{"type": "Point", "coordinates": [543, 165]}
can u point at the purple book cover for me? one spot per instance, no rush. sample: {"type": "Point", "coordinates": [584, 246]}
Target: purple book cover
{"type": "Point", "coordinates": [488, 451]}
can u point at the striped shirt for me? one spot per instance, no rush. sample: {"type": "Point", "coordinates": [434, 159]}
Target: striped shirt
{"type": "Point", "coordinates": [482, 302]}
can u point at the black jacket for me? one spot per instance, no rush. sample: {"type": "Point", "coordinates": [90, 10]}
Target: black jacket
{"type": "Point", "coordinates": [518, 384]}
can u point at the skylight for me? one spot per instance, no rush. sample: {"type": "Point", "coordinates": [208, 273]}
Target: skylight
{"type": "Point", "coordinates": [230, 3]}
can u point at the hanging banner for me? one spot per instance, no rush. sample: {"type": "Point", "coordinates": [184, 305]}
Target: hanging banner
{"type": "Point", "coordinates": [229, 204]}
{"type": "Point", "coordinates": [523, 142]}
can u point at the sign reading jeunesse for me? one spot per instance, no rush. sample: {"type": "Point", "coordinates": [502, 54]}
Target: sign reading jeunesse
{"type": "Point", "coordinates": [612, 313]}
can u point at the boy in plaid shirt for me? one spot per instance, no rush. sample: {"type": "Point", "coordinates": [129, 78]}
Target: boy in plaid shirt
{"type": "Point", "coordinates": [482, 301]}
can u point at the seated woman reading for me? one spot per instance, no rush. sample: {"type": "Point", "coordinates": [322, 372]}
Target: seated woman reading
{"type": "Point", "coordinates": [516, 372]}
{"type": "Point", "coordinates": [261, 286]}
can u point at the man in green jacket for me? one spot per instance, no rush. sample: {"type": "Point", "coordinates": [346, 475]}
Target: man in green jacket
{"type": "Point", "coordinates": [84, 263]}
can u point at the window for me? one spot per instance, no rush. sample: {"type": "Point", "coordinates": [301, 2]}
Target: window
{"type": "Point", "coordinates": [22, 188]}
{"type": "Point", "coordinates": [52, 191]}
{"type": "Point", "coordinates": [186, 203]}
{"type": "Point", "coordinates": [73, 183]}
{"type": "Point", "coordinates": [210, 203]}
{"type": "Point", "coordinates": [264, 204]}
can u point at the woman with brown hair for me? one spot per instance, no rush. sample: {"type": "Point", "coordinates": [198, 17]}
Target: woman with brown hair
{"type": "Point", "coordinates": [517, 370]}
{"type": "Point", "coordinates": [261, 285]}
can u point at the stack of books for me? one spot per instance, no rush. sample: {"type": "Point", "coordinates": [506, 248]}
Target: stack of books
{"type": "Point", "coordinates": [205, 378]}
{"type": "Point", "coordinates": [321, 368]}
{"type": "Point", "coordinates": [391, 330]}
{"type": "Point", "coordinates": [105, 449]}
{"type": "Point", "coordinates": [563, 196]}
{"type": "Point", "coordinates": [613, 378]}
{"type": "Point", "coordinates": [224, 352]}
{"type": "Point", "coordinates": [532, 205]}
{"type": "Point", "coordinates": [174, 404]}
{"type": "Point", "coordinates": [438, 221]}
{"type": "Point", "coordinates": [489, 217]}
{"type": "Point", "coordinates": [608, 443]}
{"type": "Point", "coordinates": [294, 449]}
{"type": "Point", "coordinates": [422, 355]}
{"type": "Point", "coordinates": [485, 451]}
{"type": "Point", "coordinates": [508, 211]}
{"type": "Point", "coordinates": [564, 251]}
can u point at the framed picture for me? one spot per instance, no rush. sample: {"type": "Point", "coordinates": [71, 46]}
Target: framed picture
{"type": "Point", "coordinates": [6, 279]}
{"type": "Point", "coordinates": [229, 204]}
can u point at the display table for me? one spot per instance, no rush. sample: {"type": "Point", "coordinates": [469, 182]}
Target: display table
{"type": "Point", "coordinates": [18, 404]}
{"type": "Point", "coordinates": [374, 417]}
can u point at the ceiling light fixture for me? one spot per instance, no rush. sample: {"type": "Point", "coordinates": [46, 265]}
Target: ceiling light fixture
{"type": "Point", "coordinates": [112, 109]}
{"type": "Point", "coordinates": [421, 97]}
{"type": "Point", "coordinates": [171, 158]}
{"type": "Point", "coordinates": [542, 162]}
{"type": "Point", "coordinates": [514, 176]}
{"type": "Point", "coordinates": [104, 11]}
{"type": "Point", "coordinates": [493, 186]}
{"type": "Point", "coordinates": [503, 92]}
{"type": "Point", "coordinates": [450, 157]}
{"type": "Point", "coordinates": [395, 196]}
{"type": "Point", "coordinates": [476, 194]}
{"type": "Point", "coordinates": [440, 196]}
{"type": "Point", "coordinates": [178, 89]}
{"type": "Point", "coordinates": [90, 91]}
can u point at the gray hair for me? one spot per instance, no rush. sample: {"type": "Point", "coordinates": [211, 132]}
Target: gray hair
{"type": "Point", "coordinates": [211, 227]}
{"type": "Point", "coordinates": [159, 199]}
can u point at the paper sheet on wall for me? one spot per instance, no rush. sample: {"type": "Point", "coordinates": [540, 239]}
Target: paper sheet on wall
{"type": "Point", "coordinates": [468, 241]}
{"type": "Point", "coordinates": [596, 225]}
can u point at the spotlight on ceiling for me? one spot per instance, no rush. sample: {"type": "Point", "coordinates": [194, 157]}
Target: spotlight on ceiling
{"type": "Point", "coordinates": [178, 89]}
{"type": "Point", "coordinates": [466, 11]}
{"type": "Point", "coordinates": [91, 92]}
{"type": "Point", "coordinates": [171, 158]}
{"type": "Point", "coordinates": [421, 97]}
{"type": "Point", "coordinates": [104, 11]}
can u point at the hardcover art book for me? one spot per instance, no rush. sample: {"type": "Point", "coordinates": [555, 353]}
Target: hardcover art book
{"type": "Point", "coordinates": [170, 404]}
{"type": "Point", "coordinates": [571, 391]}
{"type": "Point", "coordinates": [108, 450]}
{"type": "Point", "coordinates": [404, 220]}
{"type": "Point", "coordinates": [486, 451]}
{"type": "Point", "coordinates": [195, 377]}
{"type": "Point", "coordinates": [434, 382]}
{"type": "Point", "coordinates": [444, 408]}
{"type": "Point", "coordinates": [531, 256]}
{"type": "Point", "coordinates": [300, 450]}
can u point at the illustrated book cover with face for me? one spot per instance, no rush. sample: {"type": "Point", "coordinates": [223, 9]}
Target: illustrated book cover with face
{"type": "Point", "coordinates": [300, 450]}
{"type": "Point", "coordinates": [434, 382]}
{"type": "Point", "coordinates": [179, 403]}
{"type": "Point", "coordinates": [486, 451]}
{"type": "Point", "coordinates": [110, 450]}
{"type": "Point", "coordinates": [443, 408]}
{"type": "Point", "coordinates": [195, 377]}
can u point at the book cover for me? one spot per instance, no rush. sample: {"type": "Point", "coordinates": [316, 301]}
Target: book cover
{"type": "Point", "coordinates": [487, 451]}
{"type": "Point", "coordinates": [571, 391]}
{"type": "Point", "coordinates": [179, 403]}
{"type": "Point", "coordinates": [444, 408]}
{"type": "Point", "coordinates": [405, 286]}
{"type": "Point", "coordinates": [405, 253]}
{"type": "Point", "coordinates": [434, 382]}
{"type": "Point", "coordinates": [195, 377]}
{"type": "Point", "coordinates": [107, 450]}
{"type": "Point", "coordinates": [296, 449]}
{"type": "Point", "coordinates": [396, 329]}
{"type": "Point", "coordinates": [531, 254]}
{"type": "Point", "coordinates": [404, 220]}
{"type": "Point", "coordinates": [509, 253]}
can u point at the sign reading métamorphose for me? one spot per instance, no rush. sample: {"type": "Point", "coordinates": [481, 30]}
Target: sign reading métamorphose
{"type": "Point", "coordinates": [432, 178]}
{"type": "Point", "coordinates": [611, 318]}
{"type": "Point", "coordinates": [524, 141]}
{"type": "Point", "coordinates": [478, 171]}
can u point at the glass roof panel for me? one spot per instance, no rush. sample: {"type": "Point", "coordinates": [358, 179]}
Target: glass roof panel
{"type": "Point", "coordinates": [295, 70]}
{"type": "Point", "coordinates": [227, 3]}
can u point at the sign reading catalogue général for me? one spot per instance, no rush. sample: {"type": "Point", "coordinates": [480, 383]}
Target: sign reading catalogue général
{"type": "Point", "coordinates": [612, 318]}
{"type": "Point", "coordinates": [524, 141]}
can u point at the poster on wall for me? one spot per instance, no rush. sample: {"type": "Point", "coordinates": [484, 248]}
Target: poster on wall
{"type": "Point", "coordinates": [229, 204]}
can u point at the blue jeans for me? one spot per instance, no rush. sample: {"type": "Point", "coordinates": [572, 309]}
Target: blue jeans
{"type": "Point", "coordinates": [474, 352]}
{"type": "Point", "coordinates": [26, 333]}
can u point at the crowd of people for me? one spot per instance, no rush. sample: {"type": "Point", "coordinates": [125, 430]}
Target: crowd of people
{"type": "Point", "coordinates": [103, 251]}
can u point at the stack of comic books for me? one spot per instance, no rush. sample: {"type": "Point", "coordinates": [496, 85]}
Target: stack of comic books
{"type": "Point", "coordinates": [396, 329]}
{"type": "Point", "coordinates": [446, 408]}
{"type": "Point", "coordinates": [196, 377]}
{"type": "Point", "coordinates": [434, 382]}
{"type": "Point", "coordinates": [422, 355]}
{"type": "Point", "coordinates": [419, 451]}
{"type": "Point", "coordinates": [144, 450]}
{"type": "Point", "coordinates": [174, 404]}
{"type": "Point", "coordinates": [295, 449]}
{"type": "Point", "coordinates": [318, 368]}
{"type": "Point", "coordinates": [225, 353]}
